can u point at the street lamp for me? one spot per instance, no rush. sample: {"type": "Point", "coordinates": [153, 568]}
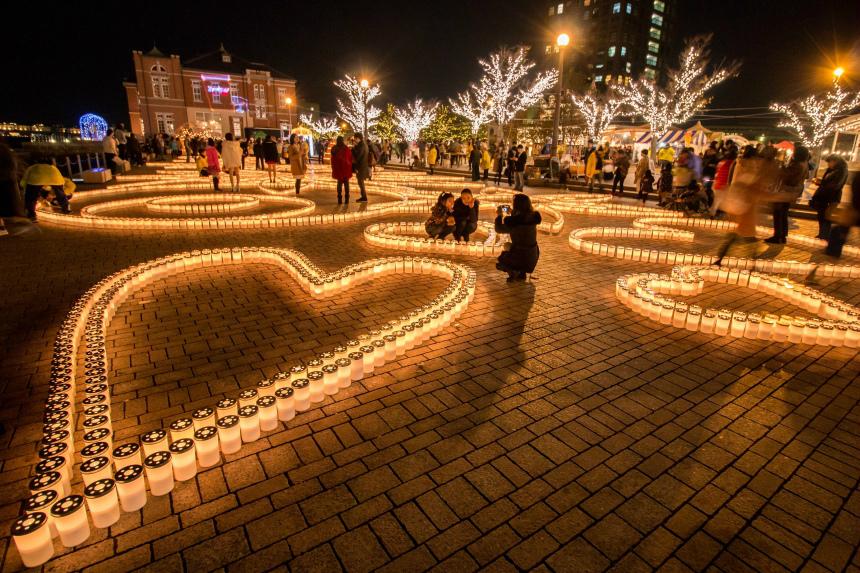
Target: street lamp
{"type": "Point", "coordinates": [364, 89]}
{"type": "Point", "coordinates": [289, 102]}
{"type": "Point", "coordinates": [562, 41]}
{"type": "Point", "coordinates": [837, 73]}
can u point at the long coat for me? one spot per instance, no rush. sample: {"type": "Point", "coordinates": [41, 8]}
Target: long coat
{"type": "Point", "coordinates": [298, 160]}
{"type": "Point", "coordinates": [359, 160]}
{"type": "Point", "coordinates": [341, 163]}
{"type": "Point", "coordinates": [524, 252]}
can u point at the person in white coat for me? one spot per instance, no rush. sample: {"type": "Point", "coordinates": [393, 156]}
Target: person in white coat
{"type": "Point", "coordinates": [231, 157]}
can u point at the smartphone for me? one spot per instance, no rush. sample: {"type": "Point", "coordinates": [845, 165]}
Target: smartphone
{"type": "Point", "coordinates": [506, 209]}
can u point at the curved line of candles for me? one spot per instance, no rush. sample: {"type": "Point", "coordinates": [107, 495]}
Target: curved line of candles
{"type": "Point", "coordinates": [209, 204]}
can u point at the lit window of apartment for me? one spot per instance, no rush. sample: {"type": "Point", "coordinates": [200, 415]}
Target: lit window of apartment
{"type": "Point", "coordinates": [164, 122]}
{"type": "Point", "coordinates": [616, 8]}
{"type": "Point", "coordinates": [651, 60]}
{"type": "Point", "coordinates": [215, 94]}
{"type": "Point", "coordinates": [657, 19]}
{"type": "Point", "coordinates": [608, 78]}
{"type": "Point", "coordinates": [611, 51]}
{"type": "Point", "coordinates": [559, 9]}
{"type": "Point", "coordinates": [627, 67]}
{"type": "Point", "coordinates": [653, 47]}
{"type": "Point", "coordinates": [650, 74]}
{"type": "Point", "coordinates": [196, 90]}
{"type": "Point", "coordinates": [282, 97]}
{"type": "Point", "coordinates": [234, 93]}
{"type": "Point", "coordinates": [597, 78]}
{"type": "Point", "coordinates": [548, 49]}
{"type": "Point", "coordinates": [552, 10]}
{"type": "Point", "coordinates": [659, 5]}
{"type": "Point", "coordinates": [623, 50]}
{"type": "Point", "coordinates": [629, 8]}
{"type": "Point", "coordinates": [655, 33]}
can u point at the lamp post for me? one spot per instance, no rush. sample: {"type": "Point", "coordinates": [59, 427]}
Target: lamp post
{"type": "Point", "coordinates": [289, 102]}
{"type": "Point", "coordinates": [837, 74]}
{"type": "Point", "coordinates": [562, 41]}
{"type": "Point", "coordinates": [364, 85]}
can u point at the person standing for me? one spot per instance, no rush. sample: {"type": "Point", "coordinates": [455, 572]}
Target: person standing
{"type": "Point", "coordinates": [231, 155]}
{"type": "Point", "coordinates": [341, 168]}
{"type": "Point", "coordinates": [361, 165]}
{"type": "Point", "coordinates": [12, 211]}
{"type": "Point", "coordinates": [431, 157]}
{"type": "Point", "coordinates": [791, 181]}
{"type": "Point", "coordinates": [520, 167]}
{"type": "Point", "coordinates": [110, 150]}
{"type": "Point", "coordinates": [213, 162]}
{"type": "Point", "coordinates": [243, 145]}
{"type": "Point", "coordinates": [486, 161]}
{"type": "Point", "coordinates": [465, 215]}
{"type": "Point", "coordinates": [257, 148]}
{"type": "Point", "coordinates": [622, 166]}
{"type": "Point", "coordinates": [475, 161]}
{"type": "Point", "coordinates": [850, 218]}
{"type": "Point", "coordinates": [829, 192]}
{"type": "Point", "coordinates": [643, 177]}
{"type": "Point", "coordinates": [269, 157]}
{"type": "Point", "coordinates": [722, 178]}
{"type": "Point", "coordinates": [593, 169]}
{"type": "Point", "coordinates": [512, 163]}
{"type": "Point", "coordinates": [298, 160]}
{"type": "Point", "coordinates": [121, 140]}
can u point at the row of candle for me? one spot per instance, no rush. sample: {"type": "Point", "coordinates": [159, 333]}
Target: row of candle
{"type": "Point", "coordinates": [208, 204]}
{"type": "Point", "coordinates": [209, 432]}
{"type": "Point", "coordinates": [403, 236]}
{"type": "Point", "coordinates": [645, 294]}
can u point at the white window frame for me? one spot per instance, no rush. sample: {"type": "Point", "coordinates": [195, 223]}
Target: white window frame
{"type": "Point", "coordinates": [197, 90]}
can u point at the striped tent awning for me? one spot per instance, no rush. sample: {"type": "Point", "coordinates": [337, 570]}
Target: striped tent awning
{"type": "Point", "coordinates": [696, 137]}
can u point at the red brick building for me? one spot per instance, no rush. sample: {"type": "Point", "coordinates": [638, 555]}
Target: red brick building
{"type": "Point", "coordinates": [218, 90]}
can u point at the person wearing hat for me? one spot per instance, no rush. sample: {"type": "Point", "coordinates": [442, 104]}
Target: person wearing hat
{"type": "Point", "coordinates": [42, 181]}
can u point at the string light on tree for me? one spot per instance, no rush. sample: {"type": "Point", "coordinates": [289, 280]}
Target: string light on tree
{"type": "Point", "coordinates": [685, 91]}
{"type": "Point", "coordinates": [506, 86]}
{"type": "Point", "coordinates": [476, 112]}
{"type": "Point", "coordinates": [598, 111]}
{"type": "Point", "coordinates": [814, 117]}
{"type": "Point", "coordinates": [413, 118]}
{"type": "Point", "coordinates": [357, 104]}
{"type": "Point", "coordinates": [324, 127]}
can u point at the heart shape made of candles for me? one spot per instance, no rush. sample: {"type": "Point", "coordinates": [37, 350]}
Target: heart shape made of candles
{"type": "Point", "coordinates": [645, 293]}
{"type": "Point", "coordinates": [199, 439]}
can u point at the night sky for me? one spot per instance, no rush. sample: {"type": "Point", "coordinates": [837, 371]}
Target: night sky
{"type": "Point", "coordinates": [68, 60]}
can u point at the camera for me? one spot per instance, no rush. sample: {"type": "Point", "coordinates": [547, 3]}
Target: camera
{"type": "Point", "coordinates": [505, 209]}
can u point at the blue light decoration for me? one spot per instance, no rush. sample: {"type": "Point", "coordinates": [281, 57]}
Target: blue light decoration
{"type": "Point", "coordinates": [93, 127]}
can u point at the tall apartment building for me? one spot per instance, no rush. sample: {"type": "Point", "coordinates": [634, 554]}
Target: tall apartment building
{"type": "Point", "coordinates": [611, 40]}
{"type": "Point", "coordinates": [218, 91]}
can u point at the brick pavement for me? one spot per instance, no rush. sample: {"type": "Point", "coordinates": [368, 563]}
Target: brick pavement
{"type": "Point", "coordinates": [550, 429]}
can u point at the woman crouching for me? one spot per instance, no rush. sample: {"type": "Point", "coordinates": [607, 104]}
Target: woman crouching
{"type": "Point", "coordinates": [521, 224]}
{"type": "Point", "coordinates": [441, 222]}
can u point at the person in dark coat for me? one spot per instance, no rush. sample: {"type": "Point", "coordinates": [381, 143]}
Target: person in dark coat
{"type": "Point", "coordinates": [12, 212]}
{"type": "Point", "coordinates": [622, 165]}
{"type": "Point", "coordinates": [441, 222]}
{"type": "Point", "coordinates": [520, 173]}
{"type": "Point", "coordinates": [465, 215]}
{"type": "Point", "coordinates": [791, 180]}
{"type": "Point", "coordinates": [361, 165]}
{"type": "Point", "coordinates": [341, 168]}
{"type": "Point", "coordinates": [839, 232]}
{"type": "Point", "coordinates": [829, 192]}
{"type": "Point", "coordinates": [270, 155]}
{"type": "Point", "coordinates": [257, 148]}
{"type": "Point", "coordinates": [475, 161]}
{"type": "Point", "coordinates": [521, 225]}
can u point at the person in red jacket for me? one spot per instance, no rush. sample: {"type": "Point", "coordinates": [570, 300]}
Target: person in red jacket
{"type": "Point", "coordinates": [341, 168]}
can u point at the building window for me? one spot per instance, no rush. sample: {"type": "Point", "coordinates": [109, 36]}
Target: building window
{"type": "Point", "coordinates": [196, 90]}
{"type": "Point", "coordinates": [611, 51]}
{"type": "Point", "coordinates": [650, 74]}
{"type": "Point", "coordinates": [234, 93]}
{"type": "Point", "coordinates": [623, 50]}
{"type": "Point", "coordinates": [608, 78]}
{"type": "Point", "coordinates": [164, 122]}
{"type": "Point", "coordinates": [160, 86]}
{"type": "Point", "coordinates": [552, 10]}
{"type": "Point", "coordinates": [559, 9]}
{"type": "Point", "coordinates": [655, 33]}
{"type": "Point", "coordinates": [627, 67]}
{"type": "Point", "coordinates": [282, 97]}
{"type": "Point", "coordinates": [629, 8]}
{"type": "Point", "coordinates": [659, 5]}
{"type": "Point", "coordinates": [651, 60]}
{"type": "Point", "coordinates": [653, 47]}
{"type": "Point", "coordinates": [657, 19]}
{"type": "Point", "coordinates": [616, 8]}
{"type": "Point", "coordinates": [597, 78]}
{"type": "Point", "coordinates": [215, 94]}
{"type": "Point", "coordinates": [548, 49]}
{"type": "Point", "coordinates": [598, 66]}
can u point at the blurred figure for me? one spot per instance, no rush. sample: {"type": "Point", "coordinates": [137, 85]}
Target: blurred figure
{"type": "Point", "coordinates": [622, 166]}
{"type": "Point", "coordinates": [213, 162]}
{"type": "Point", "coordinates": [269, 155]}
{"type": "Point", "coordinates": [722, 178]}
{"type": "Point", "coordinates": [361, 165]}
{"type": "Point", "coordinates": [298, 154]}
{"type": "Point", "coordinates": [844, 218]}
{"type": "Point", "coordinates": [11, 203]}
{"type": "Point", "coordinates": [829, 192]}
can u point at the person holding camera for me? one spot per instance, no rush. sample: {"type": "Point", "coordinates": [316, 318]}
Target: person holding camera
{"type": "Point", "coordinates": [441, 222]}
{"type": "Point", "coordinates": [520, 222]}
{"type": "Point", "coordinates": [465, 215]}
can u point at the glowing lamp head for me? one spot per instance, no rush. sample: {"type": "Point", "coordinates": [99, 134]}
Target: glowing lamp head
{"type": "Point", "coordinates": [289, 101]}
{"type": "Point", "coordinates": [364, 84]}
{"type": "Point", "coordinates": [837, 73]}
{"type": "Point", "coordinates": [562, 40]}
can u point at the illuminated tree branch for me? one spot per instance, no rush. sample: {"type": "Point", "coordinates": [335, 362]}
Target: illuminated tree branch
{"type": "Point", "coordinates": [352, 111]}
{"type": "Point", "coordinates": [598, 112]}
{"type": "Point", "coordinates": [413, 118]}
{"type": "Point", "coordinates": [815, 117]}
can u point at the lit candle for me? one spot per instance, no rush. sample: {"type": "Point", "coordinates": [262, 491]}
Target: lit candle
{"type": "Point", "coordinates": [268, 412]}
{"type": "Point", "coordinates": [103, 502]}
{"type": "Point", "coordinates": [249, 422]}
{"type": "Point", "coordinates": [227, 407]}
{"type": "Point", "coordinates": [753, 324]}
{"type": "Point", "coordinates": [229, 434]}
{"type": "Point", "coordinates": [95, 449]}
{"type": "Point", "coordinates": [43, 501]}
{"type": "Point", "coordinates": [767, 327]}
{"type": "Point", "coordinates": [709, 319]}
{"type": "Point", "coordinates": [356, 366]}
{"type": "Point", "coordinates": [182, 428]}
{"type": "Point", "coordinates": [57, 464]}
{"type": "Point", "coordinates": [159, 472]}
{"type": "Point", "coordinates": [154, 441]}
{"type": "Point", "coordinates": [285, 404]}
{"type": "Point", "coordinates": [126, 455]}
{"type": "Point", "coordinates": [266, 387]}
{"type": "Point", "coordinates": [739, 322]}
{"type": "Point", "coordinates": [32, 535]}
{"type": "Point", "coordinates": [367, 363]}
{"type": "Point", "coordinates": [780, 333]}
{"type": "Point", "coordinates": [379, 351]}
{"type": "Point", "coordinates": [203, 417]}
{"type": "Point", "coordinates": [247, 397]}
{"type": "Point", "coordinates": [390, 347]}
{"type": "Point", "coordinates": [795, 330]}
{"type": "Point", "coordinates": [315, 377]}
{"type": "Point", "coordinates": [330, 382]}
{"type": "Point", "coordinates": [302, 396]}
{"type": "Point", "coordinates": [184, 461]}
{"type": "Point", "coordinates": [206, 444]}
{"type": "Point", "coordinates": [70, 517]}
{"type": "Point", "coordinates": [131, 487]}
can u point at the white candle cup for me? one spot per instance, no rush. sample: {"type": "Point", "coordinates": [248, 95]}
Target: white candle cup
{"type": "Point", "coordinates": [58, 449]}
{"type": "Point", "coordinates": [70, 517]}
{"type": "Point", "coordinates": [302, 396]}
{"type": "Point", "coordinates": [344, 370]}
{"type": "Point", "coordinates": [103, 502]}
{"type": "Point", "coordinates": [203, 417]}
{"type": "Point", "coordinates": [378, 352]}
{"type": "Point", "coordinates": [268, 413]}
{"type": "Point", "coordinates": [154, 441]}
{"type": "Point", "coordinates": [248, 397]}
{"type": "Point", "coordinates": [126, 455]}
{"type": "Point", "coordinates": [57, 464]}
{"type": "Point", "coordinates": [266, 387]}
{"type": "Point", "coordinates": [49, 480]}
{"type": "Point", "coordinates": [285, 403]}
{"type": "Point", "coordinates": [249, 423]}
{"type": "Point", "coordinates": [367, 363]}
{"type": "Point", "coordinates": [330, 382]}
{"type": "Point", "coordinates": [390, 347]}
{"type": "Point", "coordinates": [184, 459]}
{"type": "Point", "coordinates": [32, 536]}
{"type": "Point", "coordinates": [159, 472]}
{"type": "Point", "coordinates": [400, 342]}
{"type": "Point", "coordinates": [229, 434]}
{"type": "Point", "coordinates": [356, 366]}
{"type": "Point", "coordinates": [63, 436]}
{"type": "Point", "coordinates": [95, 449]}
{"type": "Point", "coordinates": [183, 428]}
{"type": "Point", "coordinates": [709, 319]}
{"type": "Point", "coordinates": [206, 444]}
{"type": "Point", "coordinates": [780, 333]}
{"type": "Point", "coordinates": [227, 407]}
{"type": "Point", "coordinates": [767, 327]}
{"type": "Point", "coordinates": [315, 377]}
{"type": "Point", "coordinates": [43, 501]}
{"type": "Point", "coordinates": [282, 380]}
{"type": "Point", "coordinates": [131, 487]}
{"type": "Point", "coordinates": [96, 422]}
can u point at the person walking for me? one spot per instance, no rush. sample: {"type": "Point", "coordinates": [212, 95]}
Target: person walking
{"type": "Point", "coordinates": [110, 150]}
{"type": "Point", "coordinates": [213, 162]}
{"type": "Point", "coordinates": [521, 225]}
{"type": "Point", "coordinates": [231, 156]}
{"type": "Point", "coordinates": [243, 145]}
{"type": "Point", "coordinates": [341, 168]}
{"type": "Point", "coordinates": [257, 148]}
{"type": "Point", "coordinates": [520, 167]}
{"type": "Point", "coordinates": [622, 166]}
{"type": "Point", "coordinates": [722, 178]}
{"type": "Point", "coordinates": [361, 165]}
{"type": "Point", "coordinates": [829, 192]}
{"type": "Point", "coordinates": [791, 181]}
{"type": "Point", "coordinates": [512, 163]}
{"type": "Point", "coordinates": [298, 160]}
{"type": "Point", "coordinates": [594, 169]}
